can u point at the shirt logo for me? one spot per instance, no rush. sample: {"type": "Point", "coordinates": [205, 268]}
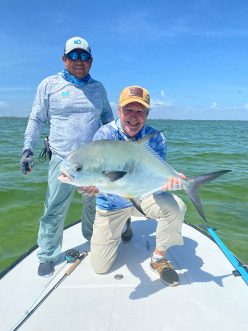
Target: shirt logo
{"type": "Point", "coordinates": [65, 94]}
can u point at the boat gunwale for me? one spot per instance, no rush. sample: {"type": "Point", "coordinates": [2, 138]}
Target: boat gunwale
{"type": "Point", "coordinates": [197, 227]}
{"type": "Point", "coordinates": [28, 252]}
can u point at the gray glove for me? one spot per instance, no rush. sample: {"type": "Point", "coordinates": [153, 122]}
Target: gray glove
{"type": "Point", "coordinates": [26, 162]}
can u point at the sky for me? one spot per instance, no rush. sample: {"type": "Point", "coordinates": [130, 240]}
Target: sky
{"type": "Point", "coordinates": [191, 55]}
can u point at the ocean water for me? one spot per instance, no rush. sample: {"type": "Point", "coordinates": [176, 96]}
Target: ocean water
{"type": "Point", "coordinates": [194, 147]}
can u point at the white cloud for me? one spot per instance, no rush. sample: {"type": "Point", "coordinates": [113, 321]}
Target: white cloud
{"type": "Point", "coordinates": [158, 103]}
{"type": "Point", "coordinates": [215, 105]}
{"type": "Point", "coordinates": [161, 102]}
{"type": "Point", "coordinates": [113, 104]}
{"type": "Point", "coordinates": [4, 104]}
{"type": "Point", "coordinates": [246, 106]}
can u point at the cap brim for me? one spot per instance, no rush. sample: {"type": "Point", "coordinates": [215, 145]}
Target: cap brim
{"type": "Point", "coordinates": [130, 100]}
{"type": "Point", "coordinates": [85, 50]}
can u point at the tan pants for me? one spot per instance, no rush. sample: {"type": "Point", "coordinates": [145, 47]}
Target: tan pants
{"type": "Point", "coordinates": [167, 209]}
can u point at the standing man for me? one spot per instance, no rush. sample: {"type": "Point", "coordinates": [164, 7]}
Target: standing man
{"type": "Point", "coordinates": [74, 105]}
{"type": "Point", "coordinates": [113, 211]}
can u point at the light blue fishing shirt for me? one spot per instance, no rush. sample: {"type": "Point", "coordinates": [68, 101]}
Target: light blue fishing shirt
{"type": "Point", "coordinates": [74, 110]}
{"type": "Point", "coordinates": [114, 131]}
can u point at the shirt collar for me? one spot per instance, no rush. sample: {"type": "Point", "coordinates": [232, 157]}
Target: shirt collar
{"type": "Point", "coordinates": [125, 136]}
{"type": "Point", "coordinates": [74, 80]}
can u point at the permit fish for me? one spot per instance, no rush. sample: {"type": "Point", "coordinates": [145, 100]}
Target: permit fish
{"type": "Point", "coordinates": [130, 169]}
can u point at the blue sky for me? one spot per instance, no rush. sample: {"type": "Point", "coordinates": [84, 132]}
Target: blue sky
{"type": "Point", "coordinates": [191, 55]}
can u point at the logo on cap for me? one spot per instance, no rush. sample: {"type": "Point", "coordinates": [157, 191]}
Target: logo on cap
{"type": "Point", "coordinates": [77, 42]}
{"type": "Point", "coordinates": [136, 92]}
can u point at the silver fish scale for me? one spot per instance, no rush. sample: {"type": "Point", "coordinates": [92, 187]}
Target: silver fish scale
{"type": "Point", "coordinates": [145, 171]}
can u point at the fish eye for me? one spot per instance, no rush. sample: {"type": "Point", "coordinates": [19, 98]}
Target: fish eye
{"type": "Point", "coordinates": [78, 168]}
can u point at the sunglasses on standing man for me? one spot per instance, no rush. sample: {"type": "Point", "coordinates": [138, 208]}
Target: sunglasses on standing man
{"type": "Point", "coordinates": [77, 55]}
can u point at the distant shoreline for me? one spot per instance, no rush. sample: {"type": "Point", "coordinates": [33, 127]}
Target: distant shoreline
{"type": "Point", "coordinates": [149, 119]}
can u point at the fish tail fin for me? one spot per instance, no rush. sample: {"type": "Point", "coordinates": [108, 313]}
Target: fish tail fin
{"type": "Point", "coordinates": [193, 184]}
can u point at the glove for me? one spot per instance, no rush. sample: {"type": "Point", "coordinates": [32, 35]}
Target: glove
{"type": "Point", "coordinates": [26, 162]}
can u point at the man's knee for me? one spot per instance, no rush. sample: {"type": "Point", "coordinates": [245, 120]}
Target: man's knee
{"type": "Point", "coordinates": [98, 269]}
{"type": "Point", "coordinates": [99, 266]}
{"type": "Point", "coordinates": [103, 255]}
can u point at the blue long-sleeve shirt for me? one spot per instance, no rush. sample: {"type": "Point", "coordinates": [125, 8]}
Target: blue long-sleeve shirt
{"type": "Point", "coordinates": [73, 113]}
{"type": "Point", "coordinates": [114, 131]}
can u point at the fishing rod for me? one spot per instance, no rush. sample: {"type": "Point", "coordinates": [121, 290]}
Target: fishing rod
{"type": "Point", "coordinates": [72, 256]}
{"type": "Point", "coordinates": [240, 269]}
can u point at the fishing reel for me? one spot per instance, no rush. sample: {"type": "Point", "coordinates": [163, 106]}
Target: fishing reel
{"type": "Point", "coordinates": [71, 255]}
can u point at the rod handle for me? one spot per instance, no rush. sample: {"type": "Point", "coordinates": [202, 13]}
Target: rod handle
{"type": "Point", "coordinates": [75, 264]}
{"type": "Point", "coordinates": [72, 267]}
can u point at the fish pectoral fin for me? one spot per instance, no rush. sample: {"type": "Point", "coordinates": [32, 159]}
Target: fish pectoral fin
{"type": "Point", "coordinates": [114, 175]}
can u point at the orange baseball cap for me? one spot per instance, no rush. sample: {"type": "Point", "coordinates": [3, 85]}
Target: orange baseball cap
{"type": "Point", "coordinates": [134, 94]}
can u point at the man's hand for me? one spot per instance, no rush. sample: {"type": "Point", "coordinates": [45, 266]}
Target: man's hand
{"type": "Point", "coordinates": [174, 183]}
{"type": "Point", "coordinates": [26, 162]}
{"type": "Point", "coordinates": [88, 190]}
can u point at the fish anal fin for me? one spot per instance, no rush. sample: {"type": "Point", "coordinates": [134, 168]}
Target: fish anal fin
{"type": "Point", "coordinates": [137, 204]}
{"type": "Point", "coordinates": [114, 175]}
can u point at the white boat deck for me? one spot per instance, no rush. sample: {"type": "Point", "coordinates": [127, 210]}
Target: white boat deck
{"type": "Point", "coordinates": [209, 297]}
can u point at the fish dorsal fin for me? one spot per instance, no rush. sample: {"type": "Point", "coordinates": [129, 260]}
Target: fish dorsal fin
{"type": "Point", "coordinates": [144, 142]}
{"type": "Point", "coordinates": [114, 175]}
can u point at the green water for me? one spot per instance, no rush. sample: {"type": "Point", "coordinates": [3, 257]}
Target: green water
{"type": "Point", "coordinates": [194, 147]}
